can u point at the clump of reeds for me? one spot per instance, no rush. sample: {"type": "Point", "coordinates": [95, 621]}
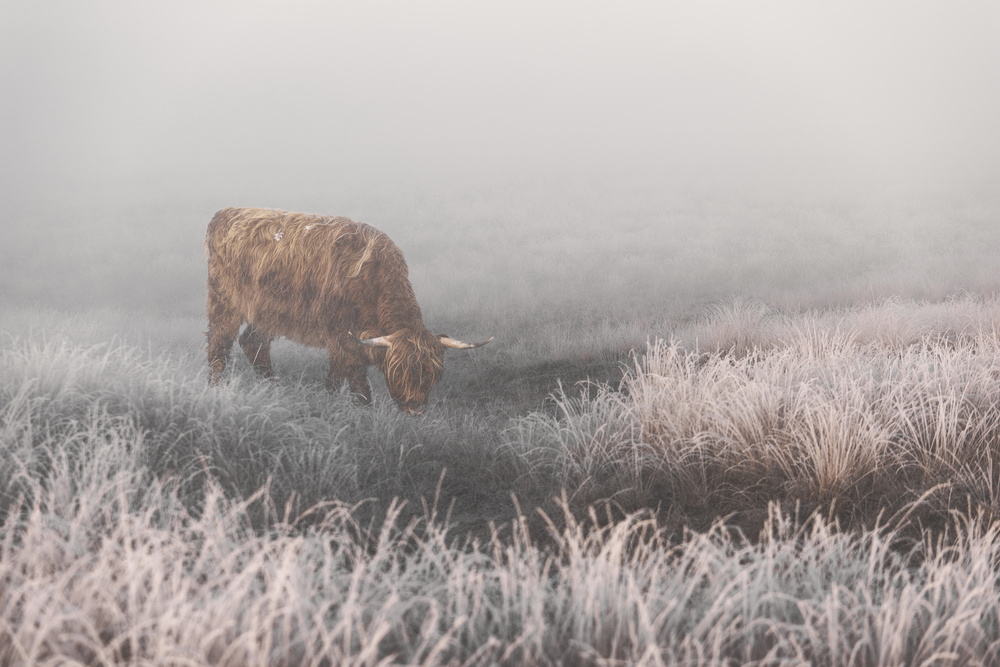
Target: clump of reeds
{"type": "Point", "coordinates": [806, 410]}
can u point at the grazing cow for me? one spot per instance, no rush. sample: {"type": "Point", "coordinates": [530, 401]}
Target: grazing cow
{"type": "Point", "coordinates": [315, 279]}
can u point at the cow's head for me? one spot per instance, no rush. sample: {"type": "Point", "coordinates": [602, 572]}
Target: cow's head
{"type": "Point", "coordinates": [412, 361]}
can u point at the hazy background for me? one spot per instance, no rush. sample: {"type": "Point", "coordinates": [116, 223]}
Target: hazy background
{"type": "Point", "coordinates": [738, 142]}
{"type": "Point", "coordinates": [208, 97]}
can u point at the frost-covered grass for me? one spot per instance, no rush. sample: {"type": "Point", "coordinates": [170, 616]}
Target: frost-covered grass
{"type": "Point", "coordinates": [303, 443]}
{"type": "Point", "coordinates": [857, 413]}
{"type": "Point", "coordinates": [766, 485]}
{"type": "Point", "coordinates": [120, 571]}
{"type": "Point", "coordinates": [105, 564]}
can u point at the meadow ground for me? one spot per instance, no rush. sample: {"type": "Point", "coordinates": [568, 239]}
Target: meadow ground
{"type": "Point", "coordinates": [788, 448]}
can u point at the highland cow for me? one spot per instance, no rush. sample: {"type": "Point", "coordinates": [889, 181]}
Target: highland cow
{"type": "Point", "coordinates": [315, 280]}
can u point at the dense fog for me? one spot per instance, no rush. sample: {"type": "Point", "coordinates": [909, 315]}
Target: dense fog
{"type": "Point", "coordinates": [221, 99]}
{"type": "Point", "coordinates": [571, 161]}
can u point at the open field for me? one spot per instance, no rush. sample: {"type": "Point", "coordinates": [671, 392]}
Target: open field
{"type": "Point", "coordinates": [789, 449]}
{"type": "Point", "coordinates": [738, 264]}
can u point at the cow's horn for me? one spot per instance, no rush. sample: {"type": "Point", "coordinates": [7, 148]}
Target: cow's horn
{"type": "Point", "coordinates": [459, 345]}
{"type": "Point", "coordinates": [378, 341]}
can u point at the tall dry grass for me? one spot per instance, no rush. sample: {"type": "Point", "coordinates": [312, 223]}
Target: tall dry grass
{"type": "Point", "coordinates": [858, 413]}
{"type": "Point", "coordinates": [765, 487]}
{"type": "Point", "coordinates": [120, 572]}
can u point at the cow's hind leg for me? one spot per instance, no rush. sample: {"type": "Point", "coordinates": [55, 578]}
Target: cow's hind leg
{"type": "Point", "coordinates": [257, 346]}
{"type": "Point", "coordinates": [223, 327]}
{"type": "Point", "coordinates": [354, 369]}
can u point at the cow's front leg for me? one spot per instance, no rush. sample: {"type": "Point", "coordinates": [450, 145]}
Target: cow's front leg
{"type": "Point", "coordinates": [257, 346]}
{"type": "Point", "coordinates": [345, 367]}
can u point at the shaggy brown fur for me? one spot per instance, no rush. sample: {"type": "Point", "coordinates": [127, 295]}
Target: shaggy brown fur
{"type": "Point", "coordinates": [313, 279]}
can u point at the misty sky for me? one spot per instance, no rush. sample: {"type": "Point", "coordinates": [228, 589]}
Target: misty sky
{"type": "Point", "coordinates": [196, 96]}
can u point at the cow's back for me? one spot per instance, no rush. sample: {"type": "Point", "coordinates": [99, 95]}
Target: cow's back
{"type": "Point", "coordinates": [291, 274]}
